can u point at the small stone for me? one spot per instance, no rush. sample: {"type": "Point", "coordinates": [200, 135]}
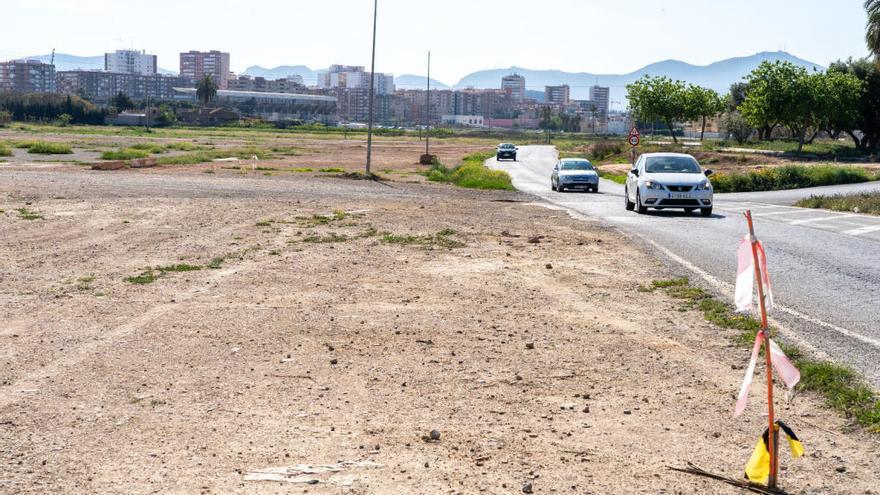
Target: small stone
{"type": "Point", "coordinates": [530, 345]}
{"type": "Point", "coordinates": [586, 409]}
{"type": "Point", "coordinates": [841, 469]}
{"type": "Point", "coordinates": [527, 488]}
{"type": "Point", "coordinates": [717, 434]}
{"type": "Point", "coordinates": [435, 435]}
{"type": "Point", "coordinates": [334, 361]}
{"type": "Point", "coordinates": [549, 266]}
{"type": "Point", "coordinates": [627, 412]}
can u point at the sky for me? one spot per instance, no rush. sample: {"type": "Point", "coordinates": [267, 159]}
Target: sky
{"type": "Point", "coordinates": [597, 36]}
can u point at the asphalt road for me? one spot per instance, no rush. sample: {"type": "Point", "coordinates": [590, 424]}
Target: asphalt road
{"type": "Point", "coordinates": [825, 266]}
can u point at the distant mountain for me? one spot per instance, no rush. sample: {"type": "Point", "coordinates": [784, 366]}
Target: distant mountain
{"type": "Point", "coordinates": [409, 81]}
{"type": "Point", "coordinates": [310, 77]}
{"type": "Point", "coordinates": [64, 61]}
{"type": "Point", "coordinates": [718, 76]}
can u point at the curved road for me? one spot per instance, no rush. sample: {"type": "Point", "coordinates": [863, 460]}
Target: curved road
{"type": "Point", "coordinates": [825, 266]}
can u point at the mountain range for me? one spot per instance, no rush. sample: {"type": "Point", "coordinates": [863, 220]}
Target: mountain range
{"type": "Point", "coordinates": [718, 76]}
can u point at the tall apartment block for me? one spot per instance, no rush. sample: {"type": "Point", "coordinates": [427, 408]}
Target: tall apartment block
{"type": "Point", "coordinates": [557, 95]}
{"type": "Point", "coordinates": [130, 62]}
{"type": "Point", "coordinates": [27, 76]}
{"type": "Point", "coordinates": [196, 65]}
{"type": "Point", "coordinates": [601, 97]}
{"type": "Point", "coordinates": [516, 85]}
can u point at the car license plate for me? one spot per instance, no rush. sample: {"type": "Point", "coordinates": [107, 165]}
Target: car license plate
{"type": "Point", "coordinates": [679, 196]}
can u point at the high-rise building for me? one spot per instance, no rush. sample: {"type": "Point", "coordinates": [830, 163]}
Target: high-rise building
{"type": "Point", "coordinates": [292, 84]}
{"type": "Point", "coordinates": [130, 62]}
{"type": "Point", "coordinates": [557, 95]}
{"type": "Point", "coordinates": [27, 76]}
{"type": "Point", "coordinates": [601, 97]}
{"type": "Point", "coordinates": [354, 77]}
{"type": "Point", "coordinates": [516, 85]}
{"type": "Point", "coordinates": [195, 65]}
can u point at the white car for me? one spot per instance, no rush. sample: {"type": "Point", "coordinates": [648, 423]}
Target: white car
{"type": "Point", "coordinates": [574, 173]}
{"type": "Point", "coordinates": [668, 180]}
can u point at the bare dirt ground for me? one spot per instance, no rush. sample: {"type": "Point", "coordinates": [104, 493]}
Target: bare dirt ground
{"type": "Point", "coordinates": [517, 333]}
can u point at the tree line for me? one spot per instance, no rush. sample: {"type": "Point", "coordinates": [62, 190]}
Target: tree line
{"type": "Point", "coordinates": [50, 107]}
{"type": "Point", "coordinates": [844, 99]}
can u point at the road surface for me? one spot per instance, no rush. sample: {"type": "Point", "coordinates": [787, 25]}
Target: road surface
{"type": "Point", "coordinates": [825, 266]}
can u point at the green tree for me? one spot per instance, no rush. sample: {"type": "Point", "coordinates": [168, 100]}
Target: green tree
{"type": "Point", "coordinates": [659, 98]}
{"type": "Point", "coordinates": [775, 96]}
{"type": "Point", "coordinates": [206, 89]}
{"type": "Point", "coordinates": [867, 119]}
{"type": "Point", "coordinates": [737, 95]}
{"type": "Point", "coordinates": [837, 102]}
{"type": "Point", "coordinates": [703, 103]}
{"type": "Point", "coordinates": [873, 35]}
{"type": "Point", "coordinates": [121, 102]}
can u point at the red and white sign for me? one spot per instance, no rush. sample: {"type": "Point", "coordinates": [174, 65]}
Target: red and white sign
{"type": "Point", "coordinates": [634, 131]}
{"type": "Point", "coordinates": [634, 140]}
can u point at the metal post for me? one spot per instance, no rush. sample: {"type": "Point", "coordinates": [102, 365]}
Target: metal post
{"type": "Point", "coordinates": [428, 111]}
{"type": "Point", "coordinates": [372, 90]}
{"type": "Point", "coordinates": [772, 438]}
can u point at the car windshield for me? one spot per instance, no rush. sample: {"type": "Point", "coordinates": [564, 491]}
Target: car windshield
{"type": "Point", "coordinates": [672, 165]}
{"type": "Point", "coordinates": [507, 146]}
{"type": "Point", "coordinates": [578, 165]}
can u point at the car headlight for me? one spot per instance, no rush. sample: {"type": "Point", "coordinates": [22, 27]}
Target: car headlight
{"type": "Point", "coordinates": [652, 184]}
{"type": "Point", "coordinates": [703, 186]}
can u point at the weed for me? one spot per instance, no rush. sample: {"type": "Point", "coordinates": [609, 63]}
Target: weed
{"type": "Point", "coordinates": [332, 237]}
{"type": "Point", "coordinates": [209, 171]}
{"type": "Point", "coordinates": [300, 170]}
{"type": "Point", "coordinates": [472, 174]}
{"type": "Point", "coordinates": [4, 151]}
{"type": "Point", "coordinates": [274, 253]}
{"type": "Point", "coordinates": [183, 267]}
{"type": "Point", "coordinates": [26, 214]}
{"type": "Point", "coordinates": [861, 203]}
{"type": "Point", "coordinates": [441, 239]}
{"type": "Point", "coordinates": [264, 223]}
{"type": "Point", "coordinates": [216, 263]}
{"type": "Point", "coordinates": [125, 154]}
{"type": "Point", "coordinates": [152, 148]}
{"type": "Point", "coordinates": [146, 277]}
{"type": "Point", "coordinates": [332, 170]}
{"type": "Point", "coordinates": [44, 148]}
{"type": "Point", "coordinates": [618, 178]}
{"type": "Point", "coordinates": [789, 177]}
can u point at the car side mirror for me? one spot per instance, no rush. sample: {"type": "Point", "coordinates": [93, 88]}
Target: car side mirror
{"type": "Point", "coordinates": [635, 172]}
{"type": "Point", "coordinates": [708, 173]}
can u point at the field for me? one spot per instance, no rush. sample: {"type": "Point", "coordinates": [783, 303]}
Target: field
{"type": "Point", "coordinates": [167, 330]}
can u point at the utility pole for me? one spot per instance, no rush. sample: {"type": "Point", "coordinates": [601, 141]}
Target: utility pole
{"type": "Point", "coordinates": [372, 90]}
{"type": "Point", "coordinates": [428, 111]}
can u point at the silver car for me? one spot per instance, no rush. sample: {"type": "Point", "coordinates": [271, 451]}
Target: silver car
{"type": "Point", "coordinates": [668, 180]}
{"type": "Point", "coordinates": [574, 173]}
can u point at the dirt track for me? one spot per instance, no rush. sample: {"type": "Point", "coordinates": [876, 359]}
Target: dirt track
{"type": "Point", "coordinates": [537, 362]}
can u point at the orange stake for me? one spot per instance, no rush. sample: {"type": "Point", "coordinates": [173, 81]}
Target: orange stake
{"type": "Point", "coordinates": [771, 437]}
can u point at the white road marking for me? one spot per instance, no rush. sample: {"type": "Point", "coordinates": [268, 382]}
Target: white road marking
{"type": "Point", "coordinates": [790, 212]}
{"type": "Point", "coordinates": [819, 219]}
{"type": "Point", "coordinates": [863, 230]}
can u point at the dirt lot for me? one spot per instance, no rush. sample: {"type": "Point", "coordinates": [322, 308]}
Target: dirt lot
{"type": "Point", "coordinates": [517, 333]}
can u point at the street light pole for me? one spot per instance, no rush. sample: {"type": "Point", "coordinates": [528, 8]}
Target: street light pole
{"type": "Point", "coordinates": [428, 111]}
{"type": "Point", "coordinates": [372, 90]}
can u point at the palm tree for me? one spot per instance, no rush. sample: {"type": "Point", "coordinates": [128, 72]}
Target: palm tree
{"type": "Point", "coordinates": [206, 90]}
{"type": "Point", "coordinates": [873, 36]}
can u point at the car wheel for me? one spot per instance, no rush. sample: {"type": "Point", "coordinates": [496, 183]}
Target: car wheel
{"type": "Point", "coordinates": [552, 186]}
{"type": "Point", "coordinates": [640, 209]}
{"type": "Point", "coordinates": [706, 212]}
{"type": "Point", "coordinates": [596, 189]}
{"type": "Point", "coordinates": [629, 205]}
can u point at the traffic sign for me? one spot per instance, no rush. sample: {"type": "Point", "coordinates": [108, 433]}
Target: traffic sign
{"type": "Point", "coordinates": [634, 140]}
{"type": "Point", "coordinates": [634, 132]}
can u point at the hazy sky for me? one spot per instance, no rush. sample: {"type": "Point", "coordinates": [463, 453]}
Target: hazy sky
{"type": "Point", "coordinates": [597, 36]}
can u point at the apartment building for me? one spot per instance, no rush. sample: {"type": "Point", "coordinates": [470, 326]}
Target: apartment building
{"type": "Point", "coordinates": [293, 84]}
{"type": "Point", "coordinates": [355, 77]}
{"type": "Point", "coordinates": [195, 65]}
{"type": "Point", "coordinates": [557, 95]}
{"type": "Point", "coordinates": [27, 76]}
{"type": "Point", "coordinates": [515, 84]}
{"type": "Point", "coordinates": [100, 87]}
{"type": "Point", "coordinates": [130, 62]}
{"type": "Point", "coordinates": [601, 97]}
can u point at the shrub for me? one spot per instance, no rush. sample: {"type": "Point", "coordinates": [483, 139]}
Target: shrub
{"type": "Point", "coordinates": [4, 151]}
{"type": "Point", "coordinates": [604, 149]}
{"type": "Point", "coordinates": [472, 174]}
{"type": "Point", "coordinates": [43, 148]}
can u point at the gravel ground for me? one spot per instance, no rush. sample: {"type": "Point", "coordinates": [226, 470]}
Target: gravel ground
{"type": "Point", "coordinates": [515, 332]}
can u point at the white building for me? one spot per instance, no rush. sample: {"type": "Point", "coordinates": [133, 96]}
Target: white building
{"type": "Point", "coordinates": [463, 120]}
{"type": "Point", "coordinates": [354, 77]}
{"type": "Point", "coordinates": [130, 62]}
{"type": "Point", "coordinates": [516, 85]}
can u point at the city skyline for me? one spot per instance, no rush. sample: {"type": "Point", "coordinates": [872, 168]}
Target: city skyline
{"type": "Point", "coordinates": [531, 37]}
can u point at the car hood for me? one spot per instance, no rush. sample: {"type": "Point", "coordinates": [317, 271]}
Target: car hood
{"type": "Point", "coordinates": [680, 179]}
{"type": "Point", "coordinates": [565, 173]}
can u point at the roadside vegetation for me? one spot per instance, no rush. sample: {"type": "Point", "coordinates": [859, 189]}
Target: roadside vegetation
{"type": "Point", "coordinates": [125, 154]}
{"type": "Point", "coordinates": [440, 239]}
{"type": "Point", "coordinates": [151, 274]}
{"type": "Point", "coordinates": [840, 386]}
{"type": "Point", "coordinates": [857, 203]}
{"type": "Point", "coordinates": [790, 177]}
{"type": "Point", "coordinates": [472, 173]}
